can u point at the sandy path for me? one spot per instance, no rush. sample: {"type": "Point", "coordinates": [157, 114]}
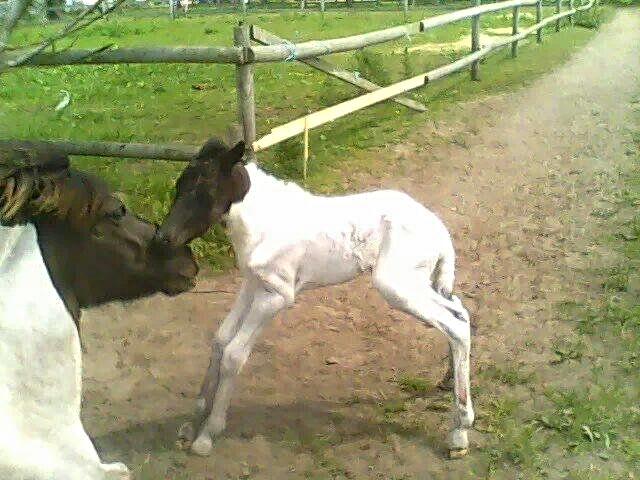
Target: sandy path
{"type": "Point", "coordinates": [513, 177]}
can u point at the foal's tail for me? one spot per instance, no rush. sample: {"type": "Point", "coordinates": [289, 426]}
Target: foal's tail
{"type": "Point", "coordinates": [443, 279]}
{"type": "Point", "coordinates": [444, 274]}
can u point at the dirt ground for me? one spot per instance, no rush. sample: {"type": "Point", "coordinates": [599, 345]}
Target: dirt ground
{"type": "Point", "coordinates": [513, 177]}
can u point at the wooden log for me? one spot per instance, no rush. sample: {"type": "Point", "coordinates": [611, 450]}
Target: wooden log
{"type": "Point", "coordinates": [558, 8]}
{"type": "Point", "coordinates": [514, 31]}
{"type": "Point", "coordinates": [473, 11]}
{"type": "Point", "coordinates": [316, 48]}
{"type": "Point", "coordinates": [268, 38]}
{"type": "Point", "coordinates": [475, 43]}
{"type": "Point", "coordinates": [171, 152]}
{"type": "Point", "coordinates": [334, 112]}
{"type": "Point", "coordinates": [131, 55]}
{"type": "Point", "coordinates": [244, 85]}
{"type": "Point", "coordinates": [539, 19]}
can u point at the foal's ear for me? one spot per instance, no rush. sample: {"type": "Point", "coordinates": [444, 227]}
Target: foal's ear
{"type": "Point", "coordinates": [233, 156]}
{"type": "Point", "coordinates": [240, 183]}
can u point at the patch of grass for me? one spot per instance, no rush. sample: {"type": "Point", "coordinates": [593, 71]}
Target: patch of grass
{"type": "Point", "coordinates": [509, 376]}
{"type": "Point", "coordinates": [415, 385]}
{"type": "Point", "coordinates": [394, 406]}
{"type": "Point", "coordinates": [567, 349]}
{"type": "Point", "coordinates": [617, 279]}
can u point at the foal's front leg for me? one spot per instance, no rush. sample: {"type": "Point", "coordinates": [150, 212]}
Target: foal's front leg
{"type": "Point", "coordinates": [264, 306]}
{"type": "Point", "coordinates": [226, 332]}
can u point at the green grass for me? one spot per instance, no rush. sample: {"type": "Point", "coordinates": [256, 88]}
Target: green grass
{"type": "Point", "coordinates": [159, 103]}
{"type": "Point", "coordinates": [508, 375]}
{"type": "Point", "coordinates": [415, 385]}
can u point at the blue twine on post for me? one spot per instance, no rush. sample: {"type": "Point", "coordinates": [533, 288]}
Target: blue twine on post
{"type": "Point", "coordinates": [291, 48]}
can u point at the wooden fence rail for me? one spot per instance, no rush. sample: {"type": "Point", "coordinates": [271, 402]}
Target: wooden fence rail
{"type": "Point", "coordinates": [274, 49]}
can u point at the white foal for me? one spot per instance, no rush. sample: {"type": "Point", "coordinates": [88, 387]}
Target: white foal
{"type": "Point", "coordinates": [287, 240]}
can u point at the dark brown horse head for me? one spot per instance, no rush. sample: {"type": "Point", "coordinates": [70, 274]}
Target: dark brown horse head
{"type": "Point", "coordinates": [95, 249]}
{"type": "Point", "coordinates": [214, 180]}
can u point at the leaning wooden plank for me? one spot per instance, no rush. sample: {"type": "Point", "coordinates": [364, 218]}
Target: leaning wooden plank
{"type": "Point", "coordinates": [334, 112]}
{"type": "Point", "coordinates": [132, 55]}
{"type": "Point", "coordinates": [172, 152]}
{"type": "Point", "coordinates": [267, 38]}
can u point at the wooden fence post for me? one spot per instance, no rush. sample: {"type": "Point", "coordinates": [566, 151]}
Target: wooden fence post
{"type": "Point", "coordinates": [539, 19]}
{"type": "Point", "coordinates": [244, 85]}
{"type": "Point", "coordinates": [571, 16]}
{"type": "Point", "coordinates": [514, 31]}
{"type": "Point", "coordinates": [475, 44]}
{"type": "Point", "coordinates": [558, 8]}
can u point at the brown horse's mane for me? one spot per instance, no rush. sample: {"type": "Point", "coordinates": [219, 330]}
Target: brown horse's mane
{"type": "Point", "coordinates": [31, 192]}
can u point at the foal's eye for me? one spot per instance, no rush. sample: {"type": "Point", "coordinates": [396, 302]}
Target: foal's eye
{"type": "Point", "coordinates": [118, 213]}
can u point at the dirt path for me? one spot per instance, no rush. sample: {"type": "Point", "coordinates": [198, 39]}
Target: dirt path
{"type": "Point", "coordinates": [513, 177]}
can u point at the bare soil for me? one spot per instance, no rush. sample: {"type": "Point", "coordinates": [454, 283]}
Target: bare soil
{"type": "Point", "coordinates": [515, 177]}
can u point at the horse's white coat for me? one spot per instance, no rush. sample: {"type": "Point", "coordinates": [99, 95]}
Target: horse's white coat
{"type": "Point", "coordinates": [287, 240]}
{"type": "Point", "coordinates": [41, 434]}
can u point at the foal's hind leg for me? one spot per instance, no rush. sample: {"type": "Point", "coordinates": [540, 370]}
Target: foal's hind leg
{"type": "Point", "coordinates": [403, 276]}
{"type": "Point", "coordinates": [409, 290]}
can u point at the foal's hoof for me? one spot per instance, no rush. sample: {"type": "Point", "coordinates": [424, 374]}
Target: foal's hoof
{"type": "Point", "coordinates": [116, 471]}
{"type": "Point", "coordinates": [202, 446]}
{"type": "Point", "coordinates": [458, 443]}
{"type": "Point", "coordinates": [457, 453]}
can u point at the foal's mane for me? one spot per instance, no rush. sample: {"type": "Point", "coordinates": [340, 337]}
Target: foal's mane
{"type": "Point", "coordinates": [41, 184]}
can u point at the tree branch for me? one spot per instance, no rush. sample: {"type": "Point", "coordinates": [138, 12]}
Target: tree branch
{"type": "Point", "coordinates": [15, 11]}
{"type": "Point", "coordinates": [82, 21]}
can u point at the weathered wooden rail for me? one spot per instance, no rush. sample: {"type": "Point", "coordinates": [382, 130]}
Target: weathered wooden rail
{"type": "Point", "coordinates": [275, 49]}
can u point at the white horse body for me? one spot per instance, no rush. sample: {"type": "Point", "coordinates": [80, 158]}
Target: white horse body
{"type": "Point", "coordinates": [329, 240]}
{"type": "Point", "coordinates": [287, 240]}
{"type": "Point", "coordinates": [41, 434]}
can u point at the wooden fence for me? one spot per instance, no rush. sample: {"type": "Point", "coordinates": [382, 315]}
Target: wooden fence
{"type": "Point", "coordinates": [275, 49]}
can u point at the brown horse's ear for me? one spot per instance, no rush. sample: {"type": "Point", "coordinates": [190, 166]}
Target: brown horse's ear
{"type": "Point", "coordinates": [233, 156]}
{"type": "Point", "coordinates": [240, 183]}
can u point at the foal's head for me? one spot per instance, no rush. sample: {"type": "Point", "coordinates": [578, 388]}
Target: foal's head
{"type": "Point", "coordinates": [212, 181]}
{"type": "Point", "coordinates": [95, 249]}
